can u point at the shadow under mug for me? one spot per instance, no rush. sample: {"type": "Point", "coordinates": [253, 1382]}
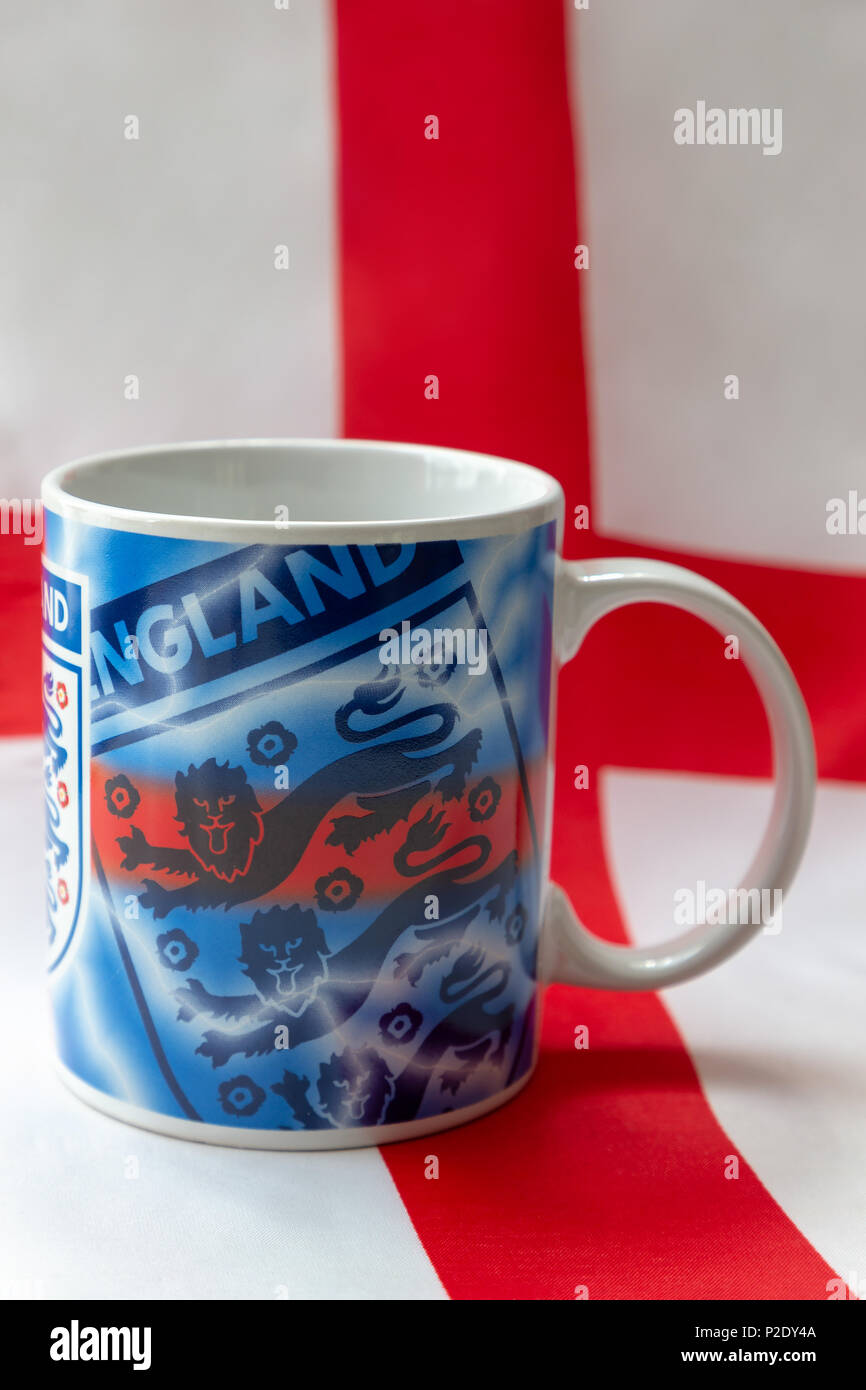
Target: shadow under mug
{"type": "Point", "coordinates": [298, 702]}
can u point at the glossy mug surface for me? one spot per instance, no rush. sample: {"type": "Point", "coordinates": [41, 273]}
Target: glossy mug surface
{"type": "Point", "coordinates": [297, 792]}
{"type": "Point", "coordinates": [297, 702]}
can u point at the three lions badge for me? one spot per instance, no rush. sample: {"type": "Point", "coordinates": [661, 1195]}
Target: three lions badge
{"type": "Point", "coordinates": [315, 870]}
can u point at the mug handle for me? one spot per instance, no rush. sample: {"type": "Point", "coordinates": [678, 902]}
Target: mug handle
{"type": "Point", "coordinates": [585, 592]}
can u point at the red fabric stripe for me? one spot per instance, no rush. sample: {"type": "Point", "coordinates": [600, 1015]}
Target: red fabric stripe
{"type": "Point", "coordinates": [649, 688]}
{"type": "Point", "coordinates": [457, 253]}
{"type": "Point", "coordinates": [20, 640]}
{"type": "Point", "coordinates": [608, 1170]}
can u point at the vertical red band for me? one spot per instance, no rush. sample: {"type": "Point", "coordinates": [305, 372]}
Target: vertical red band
{"type": "Point", "coordinates": [457, 265]}
{"type": "Point", "coordinates": [608, 1173]}
{"type": "Point", "coordinates": [457, 251]}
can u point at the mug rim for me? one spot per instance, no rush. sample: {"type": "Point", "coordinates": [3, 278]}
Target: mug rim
{"type": "Point", "coordinates": [547, 505]}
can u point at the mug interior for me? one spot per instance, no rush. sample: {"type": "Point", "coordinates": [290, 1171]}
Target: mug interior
{"type": "Point", "coordinates": [312, 482]}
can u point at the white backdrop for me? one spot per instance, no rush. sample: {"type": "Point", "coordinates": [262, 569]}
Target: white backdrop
{"type": "Point", "coordinates": [711, 261]}
{"type": "Point", "coordinates": [155, 257]}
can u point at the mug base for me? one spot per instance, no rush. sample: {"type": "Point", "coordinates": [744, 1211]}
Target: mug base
{"type": "Point", "coordinates": [284, 1139]}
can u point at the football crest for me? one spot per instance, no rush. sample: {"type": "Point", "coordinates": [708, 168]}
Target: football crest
{"type": "Point", "coordinates": [316, 862]}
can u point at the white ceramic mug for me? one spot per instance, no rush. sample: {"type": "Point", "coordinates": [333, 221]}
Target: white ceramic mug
{"type": "Point", "coordinates": [298, 701]}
